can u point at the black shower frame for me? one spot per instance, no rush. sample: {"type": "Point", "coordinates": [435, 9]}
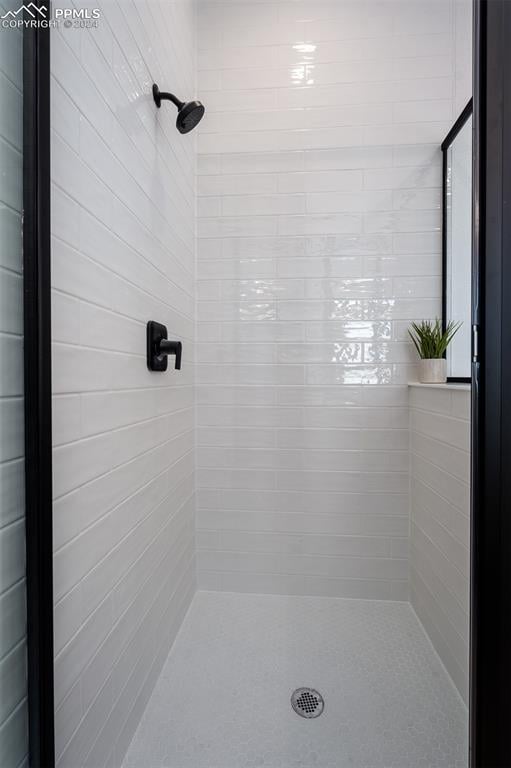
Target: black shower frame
{"type": "Point", "coordinates": [490, 657]}
{"type": "Point", "coordinates": [38, 394]}
{"type": "Point", "coordinates": [456, 128]}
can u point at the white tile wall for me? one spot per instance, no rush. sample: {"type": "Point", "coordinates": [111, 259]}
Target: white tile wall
{"type": "Point", "coordinates": [13, 670]}
{"type": "Point", "coordinates": [463, 12]}
{"type": "Point", "coordinates": [123, 253]}
{"type": "Point", "coordinates": [440, 471]}
{"type": "Point", "coordinates": [319, 240]}
{"type": "Point", "coordinates": [440, 522]}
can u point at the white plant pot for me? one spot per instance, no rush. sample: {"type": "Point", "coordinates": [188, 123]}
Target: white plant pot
{"type": "Point", "coordinates": [433, 371]}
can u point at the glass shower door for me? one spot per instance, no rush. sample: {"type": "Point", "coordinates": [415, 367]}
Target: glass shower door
{"type": "Point", "coordinates": [13, 617]}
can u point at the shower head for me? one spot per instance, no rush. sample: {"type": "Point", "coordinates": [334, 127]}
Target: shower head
{"type": "Point", "coordinates": [189, 113]}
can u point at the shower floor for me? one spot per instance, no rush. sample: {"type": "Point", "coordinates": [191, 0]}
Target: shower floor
{"type": "Point", "coordinates": [223, 697]}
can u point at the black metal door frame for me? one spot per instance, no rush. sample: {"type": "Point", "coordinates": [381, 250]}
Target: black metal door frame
{"type": "Point", "coordinates": [490, 678]}
{"type": "Point", "coordinates": [37, 380]}
{"type": "Point", "coordinates": [445, 145]}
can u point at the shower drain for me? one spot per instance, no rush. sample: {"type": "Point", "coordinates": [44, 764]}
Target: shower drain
{"type": "Point", "coordinates": [307, 702]}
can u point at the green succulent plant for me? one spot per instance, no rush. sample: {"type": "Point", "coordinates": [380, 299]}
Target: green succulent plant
{"type": "Point", "coordinates": [430, 339]}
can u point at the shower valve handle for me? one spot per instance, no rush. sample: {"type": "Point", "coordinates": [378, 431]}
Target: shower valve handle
{"type": "Point", "coordinates": [166, 347]}
{"type": "Point", "coordinates": [159, 347]}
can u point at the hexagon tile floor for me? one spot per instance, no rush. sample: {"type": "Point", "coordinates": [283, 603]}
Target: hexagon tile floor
{"type": "Point", "coordinates": [223, 697]}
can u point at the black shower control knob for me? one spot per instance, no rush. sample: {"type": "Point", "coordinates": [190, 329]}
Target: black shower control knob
{"type": "Point", "coordinates": [159, 347]}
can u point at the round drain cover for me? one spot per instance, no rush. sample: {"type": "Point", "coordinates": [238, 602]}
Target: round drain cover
{"type": "Point", "coordinates": [307, 702]}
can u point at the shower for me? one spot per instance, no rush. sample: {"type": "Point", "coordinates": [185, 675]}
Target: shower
{"type": "Point", "coordinates": [189, 113]}
{"type": "Point", "coordinates": [259, 540]}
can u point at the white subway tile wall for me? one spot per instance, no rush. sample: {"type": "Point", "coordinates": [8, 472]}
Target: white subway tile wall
{"type": "Point", "coordinates": [319, 239]}
{"type": "Point", "coordinates": [13, 667]}
{"type": "Point", "coordinates": [123, 250]}
{"type": "Point", "coordinates": [440, 522]}
{"type": "Point", "coordinates": [463, 13]}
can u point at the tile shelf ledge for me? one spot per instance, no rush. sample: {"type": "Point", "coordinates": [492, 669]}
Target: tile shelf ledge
{"type": "Point", "coordinates": [459, 387]}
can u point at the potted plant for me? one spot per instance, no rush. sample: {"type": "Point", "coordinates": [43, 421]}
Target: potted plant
{"type": "Point", "coordinates": [431, 342]}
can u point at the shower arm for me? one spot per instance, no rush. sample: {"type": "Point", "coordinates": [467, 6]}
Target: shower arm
{"type": "Point", "coordinates": [160, 96]}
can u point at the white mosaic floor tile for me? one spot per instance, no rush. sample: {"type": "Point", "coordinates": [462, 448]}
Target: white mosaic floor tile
{"type": "Point", "coordinates": [223, 697]}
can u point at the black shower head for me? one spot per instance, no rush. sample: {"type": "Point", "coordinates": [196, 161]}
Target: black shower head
{"type": "Point", "coordinates": [189, 113]}
{"type": "Point", "coordinates": [189, 116]}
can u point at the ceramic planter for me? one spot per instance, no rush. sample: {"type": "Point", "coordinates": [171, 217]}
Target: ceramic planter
{"type": "Point", "coordinates": [433, 371]}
